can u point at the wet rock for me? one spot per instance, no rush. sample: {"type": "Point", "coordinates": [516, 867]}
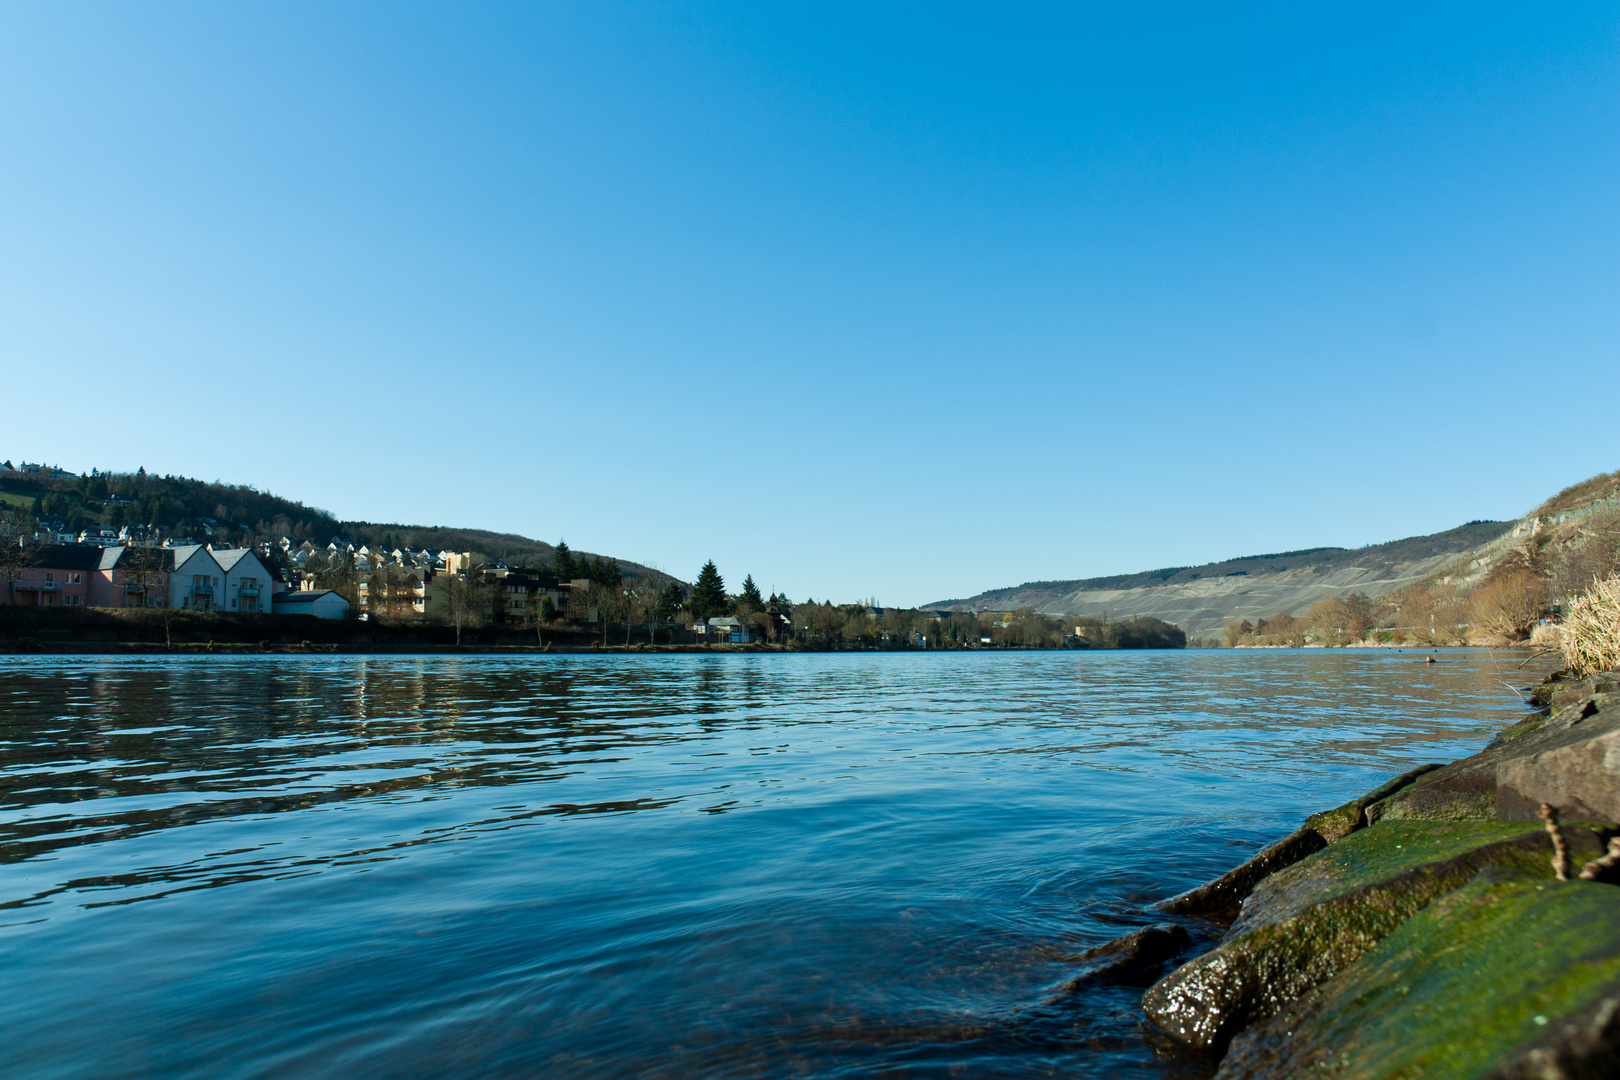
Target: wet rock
{"type": "Point", "coordinates": [1503, 978]}
{"type": "Point", "coordinates": [1131, 957]}
{"type": "Point", "coordinates": [1309, 922]}
{"type": "Point", "coordinates": [1220, 900]}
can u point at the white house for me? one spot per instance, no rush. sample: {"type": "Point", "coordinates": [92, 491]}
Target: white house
{"type": "Point", "coordinates": [321, 603]}
{"type": "Point", "coordinates": [247, 584]}
{"type": "Point", "coordinates": [195, 581]}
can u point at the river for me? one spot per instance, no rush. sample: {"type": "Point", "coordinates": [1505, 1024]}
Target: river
{"type": "Point", "coordinates": [820, 865]}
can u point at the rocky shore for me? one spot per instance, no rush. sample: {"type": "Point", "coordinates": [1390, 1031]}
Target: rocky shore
{"type": "Point", "coordinates": [1462, 920]}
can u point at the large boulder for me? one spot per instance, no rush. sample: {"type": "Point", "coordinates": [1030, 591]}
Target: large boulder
{"type": "Point", "coordinates": [1570, 760]}
{"type": "Point", "coordinates": [1575, 768]}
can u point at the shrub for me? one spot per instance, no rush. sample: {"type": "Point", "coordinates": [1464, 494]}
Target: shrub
{"type": "Point", "coordinates": [1509, 605]}
{"type": "Point", "coordinates": [1431, 616]}
{"type": "Point", "coordinates": [1591, 634]}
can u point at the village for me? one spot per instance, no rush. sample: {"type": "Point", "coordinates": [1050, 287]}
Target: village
{"type": "Point", "coordinates": [101, 541]}
{"type": "Point", "coordinates": [130, 567]}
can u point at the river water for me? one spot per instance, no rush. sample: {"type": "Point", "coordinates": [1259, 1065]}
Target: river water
{"type": "Point", "coordinates": [650, 866]}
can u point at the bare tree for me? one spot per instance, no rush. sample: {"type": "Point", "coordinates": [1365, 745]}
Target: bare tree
{"type": "Point", "coordinates": [18, 547]}
{"type": "Point", "coordinates": [466, 598]}
{"type": "Point", "coordinates": [145, 571]}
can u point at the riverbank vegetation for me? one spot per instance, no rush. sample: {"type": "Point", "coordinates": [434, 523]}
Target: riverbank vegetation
{"type": "Point", "coordinates": [1590, 636]}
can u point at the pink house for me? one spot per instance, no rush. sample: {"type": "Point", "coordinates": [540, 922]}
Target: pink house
{"type": "Point", "coordinates": [61, 576]}
{"type": "Point", "coordinates": [194, 576]}
{"type": "Point", "coordinates": [132, 577]}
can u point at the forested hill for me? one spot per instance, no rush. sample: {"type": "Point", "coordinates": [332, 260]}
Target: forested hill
{"type": "Point", "coordinates": [1200, 599]}
{"type": "Point", "coordinates": [182, 506]}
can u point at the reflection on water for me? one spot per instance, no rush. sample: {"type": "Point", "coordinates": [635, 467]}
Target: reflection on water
{"type": "Point", "coordinates": [650, 866]}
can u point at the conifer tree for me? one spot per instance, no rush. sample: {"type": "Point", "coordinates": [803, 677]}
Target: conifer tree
{"type": "Point", "coordinates": [562, 561]}
{"type": "Point", "coordinates": [670, 601]}
{"type": "Point", "coordinates": [709, 593]}
{"type": "Point", "coordinates": [750, 595]}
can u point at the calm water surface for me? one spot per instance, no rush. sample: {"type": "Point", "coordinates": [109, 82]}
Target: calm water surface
{"type": "Point", "coordinates": [661, 866]}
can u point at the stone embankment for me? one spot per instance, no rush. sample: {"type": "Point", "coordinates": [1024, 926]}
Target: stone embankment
{"type": "Point", "coordinates": [1460, 921]}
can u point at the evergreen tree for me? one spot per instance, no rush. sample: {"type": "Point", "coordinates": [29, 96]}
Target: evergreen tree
{"type": "Point", "coordinates": [670, 601]}
{"type": "Point", "coordinates": [709, 593]}
{"type": "Point", "coordinates": [750, 595]}
{"type": "Point", "coordinates": [562, 561]}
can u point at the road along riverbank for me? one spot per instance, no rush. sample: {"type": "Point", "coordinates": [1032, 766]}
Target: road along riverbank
{"type": "Point", "coordinates": [1461, 920]}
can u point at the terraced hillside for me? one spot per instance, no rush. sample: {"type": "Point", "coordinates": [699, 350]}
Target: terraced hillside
{"type": "Point", "coordinates": [1201, 599]}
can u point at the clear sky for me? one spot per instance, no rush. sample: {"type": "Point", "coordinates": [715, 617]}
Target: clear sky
{"type": "Point", "coordinates": [904, 301]}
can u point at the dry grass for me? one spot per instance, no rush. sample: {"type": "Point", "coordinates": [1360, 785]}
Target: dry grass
{"type": "Point", "coordinates": [1591, 632]}
{"type": "Point", "coordinates": [1577, 494]}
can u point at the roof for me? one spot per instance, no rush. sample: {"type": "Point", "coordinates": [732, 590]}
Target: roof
{"type": "Point", "coordinates": [134, 558]}
{"type": "Point", "coordinates": [308, 596]}
{"type": "Point", "coordinates": [229, 557]}
{"type": "Point", "coordinates": [67, 557]}
{"type": "Point", "coordinates": [182, 552]}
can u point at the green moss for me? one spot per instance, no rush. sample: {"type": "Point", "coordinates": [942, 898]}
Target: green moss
{"type": "Point", "coordinates": [1376, 854]}
{"type": "Point", "coordinates": [1523, 727]}
{"type": "Point", "coordinates": [1421, 803]}
{"type": "Point", "coordinates": [1477, 975]}
{"type": "Point", "coordinates": [1306, 923]}
{"type": "Point", "coordinates": [1336, 824]}
{"type": "Point", "coordinates": [1391, 847]}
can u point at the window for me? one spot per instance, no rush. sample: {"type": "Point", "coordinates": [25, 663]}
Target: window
{"type": "Point", "coordinates": [50, 577]}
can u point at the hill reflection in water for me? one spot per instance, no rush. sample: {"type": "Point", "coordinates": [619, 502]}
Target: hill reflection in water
{"type": "Point", "coordinates": [649, 866]}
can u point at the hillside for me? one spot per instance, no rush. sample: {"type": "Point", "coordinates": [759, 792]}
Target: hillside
{"type": "Point", "coordinates": [179, 505]}
{"type": "Point", "coordinates": [1567, 542]}
{"type": "Point", "coordinates": [1202, 599]}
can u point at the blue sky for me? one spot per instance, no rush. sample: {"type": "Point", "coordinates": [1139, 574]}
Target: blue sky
{"type": "Point", "coordinates": [904, 301]}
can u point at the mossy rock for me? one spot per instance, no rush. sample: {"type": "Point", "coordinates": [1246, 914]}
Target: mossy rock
{"type": "Point", "coordinates": [1508, 734]}
{"type": "Point", "coordinates": [1503, 978]}
{"type": "Point", "coordinates": [1441, 804]}
{"type": "Point", "coordinates": [1385, 852]}
{"type": "Point", "coordinates": [1308, 923]}
{"type": "Point", "coordinates": [1220, 900]}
